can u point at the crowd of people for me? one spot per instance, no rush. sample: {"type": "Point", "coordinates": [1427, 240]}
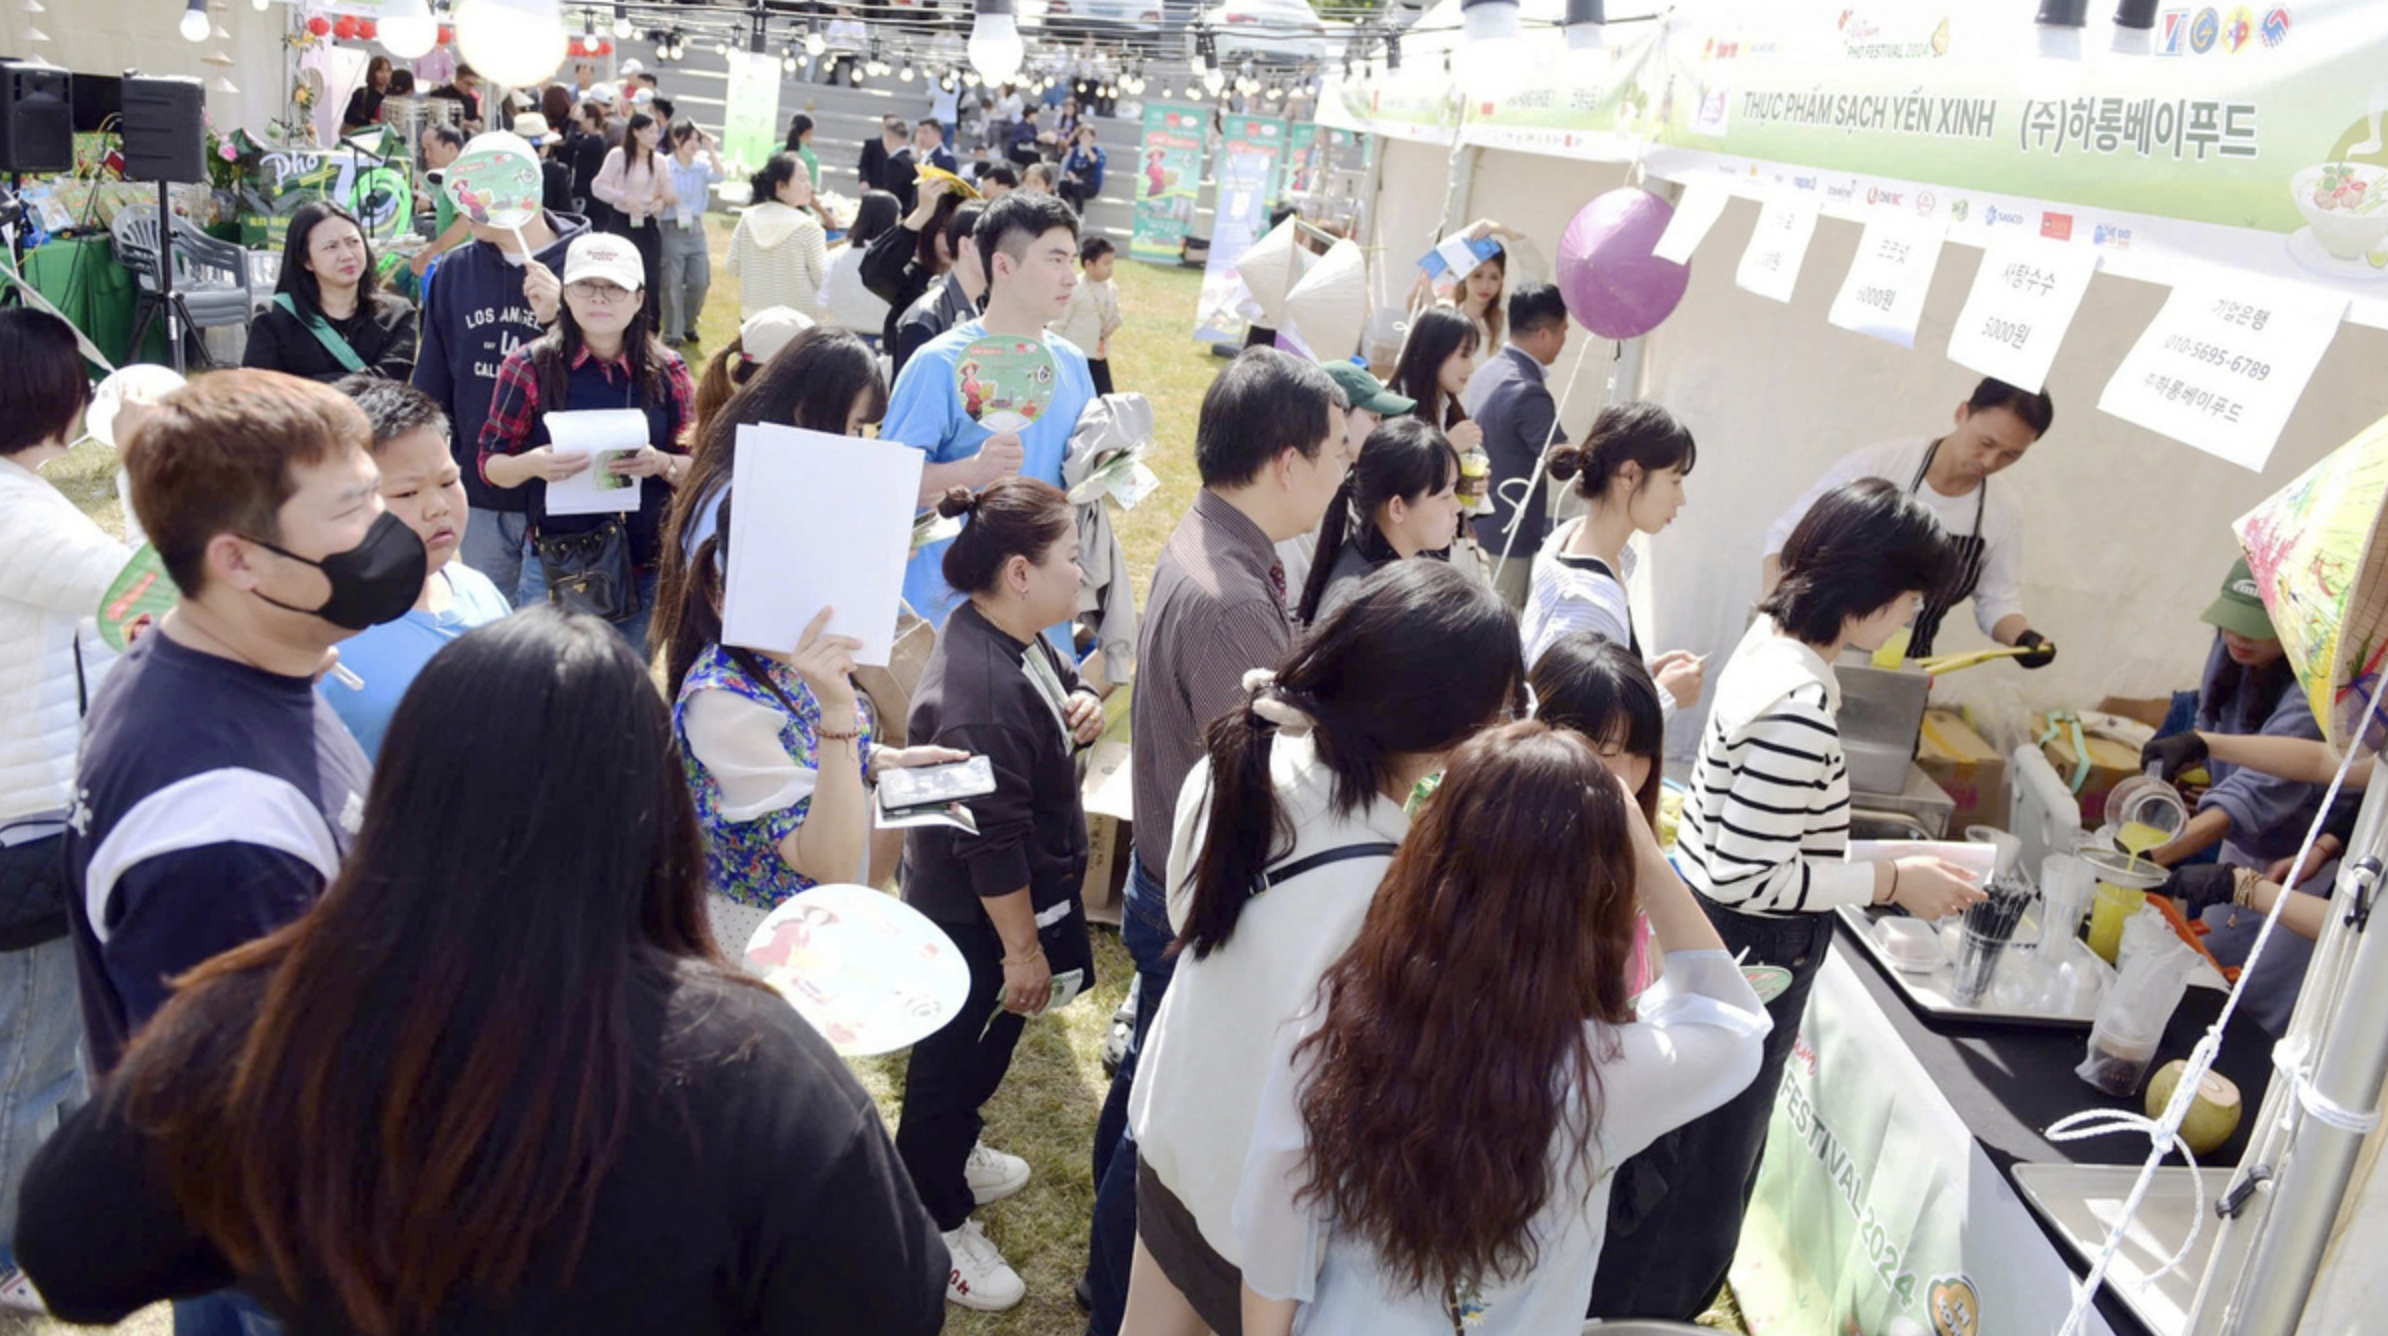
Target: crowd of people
{"type": "Point", "coordinates": [400, 929]}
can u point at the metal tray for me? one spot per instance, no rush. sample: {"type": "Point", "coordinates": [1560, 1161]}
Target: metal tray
{"type": "Point", "coordinates": [1931, 993]}
{"type": "Point", "coordinates": [2079, 1201]}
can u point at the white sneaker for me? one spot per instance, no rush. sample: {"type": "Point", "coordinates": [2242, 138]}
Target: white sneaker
{"type": "Point", "coordinates": [981, 1279]}
{"type": "Point", "coordinates": [993, 1175]}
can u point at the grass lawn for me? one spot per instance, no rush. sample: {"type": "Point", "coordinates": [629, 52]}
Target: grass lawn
{"type": "Point", "coordinates": [1047, 1107]}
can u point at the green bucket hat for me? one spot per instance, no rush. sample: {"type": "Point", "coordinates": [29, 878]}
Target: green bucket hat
{"type": "Point", "coordinates": [2239, 608]}
{"type": "Point", "coordinates": [1366, 391]}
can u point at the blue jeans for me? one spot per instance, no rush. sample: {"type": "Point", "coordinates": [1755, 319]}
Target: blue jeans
{"type": "Point", "coordinates": [497, 543]}
{"type": "Point", "coordinates": [634, 629]}
{"type": "Point", "coordinates": [41, 1068]}
{"type": "Point", "coordinates": [1111, 1242]}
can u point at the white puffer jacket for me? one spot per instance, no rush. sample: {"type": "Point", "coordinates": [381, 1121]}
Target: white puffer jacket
{"type": "Point", "coordinates": [55, 564]}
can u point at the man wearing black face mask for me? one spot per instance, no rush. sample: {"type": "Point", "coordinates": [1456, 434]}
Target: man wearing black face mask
{"type": "Point", "coordinates": [218, 792]}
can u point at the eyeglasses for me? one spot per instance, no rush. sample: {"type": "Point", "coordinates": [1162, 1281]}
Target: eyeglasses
{"type": "Point", "coordinates": [590, 289]}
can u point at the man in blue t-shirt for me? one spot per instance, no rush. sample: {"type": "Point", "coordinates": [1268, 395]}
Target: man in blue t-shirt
{"type": "Point", "coordinates": [1030, 246]}
{"type": "Point", "coordinates": [217, 792]}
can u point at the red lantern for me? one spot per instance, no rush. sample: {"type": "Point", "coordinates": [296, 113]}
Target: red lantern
{"type": "Point", "coordinates": [368, 29]}
{"type": "Point", "coordinates": [447, 35]}
{"type": "Point", "coordinates": [319, 25]}
{"type": "Point", "coordinates": [345, 29]}
{"type": "Point", "coordinates": [605, 46]}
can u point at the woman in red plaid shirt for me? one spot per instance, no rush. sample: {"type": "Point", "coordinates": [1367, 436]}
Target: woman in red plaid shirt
{"type": "Point", "coordinates": [601, 354]}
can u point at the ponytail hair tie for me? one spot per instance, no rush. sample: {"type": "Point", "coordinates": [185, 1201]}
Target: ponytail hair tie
{"type": "Point", "coordinates": [1271, 708]}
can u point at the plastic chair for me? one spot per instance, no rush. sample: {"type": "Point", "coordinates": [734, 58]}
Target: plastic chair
{"type": "Point", "coordinates": [212, 287]}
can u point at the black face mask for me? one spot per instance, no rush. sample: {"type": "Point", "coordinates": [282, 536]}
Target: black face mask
{"type": "Point", "coordinates": [374, 582]}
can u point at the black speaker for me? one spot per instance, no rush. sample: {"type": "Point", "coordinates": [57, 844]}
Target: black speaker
{"type": "Point", "coordinates": [165, 135]}
{"type": "Point", "coordinates": [37, 119]}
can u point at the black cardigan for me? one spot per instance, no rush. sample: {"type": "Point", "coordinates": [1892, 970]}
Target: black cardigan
{"type": "Point", "coordinates": [384, 340]}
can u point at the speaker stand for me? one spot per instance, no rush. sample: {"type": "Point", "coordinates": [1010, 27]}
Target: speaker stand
{"type": "Point", "coordinates": [13, 212]}
{"type": "Point", "coordinates": [166, 298]}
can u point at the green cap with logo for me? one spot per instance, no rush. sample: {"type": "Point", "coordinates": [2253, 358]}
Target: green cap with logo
{"type": "Point", "coordinates": [1366, 391]}
{"type": "Point", "coordinates": [2239, 608]}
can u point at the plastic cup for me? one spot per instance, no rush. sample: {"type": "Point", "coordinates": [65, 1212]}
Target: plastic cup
{"type": "Point", "coordinates": [2110, 909]}
{"type": "Point", "coordinates": [1978, 954]}
{"type": "Point", "coordinates": [2118, 1061]}
{"type": "Point", "coordinates": [2066, 885]}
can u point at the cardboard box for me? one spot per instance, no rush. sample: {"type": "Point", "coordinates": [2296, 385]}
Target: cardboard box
{"type": "Point", "coordinates": [1110, 829]}
{"type": "Point", "coordinates": [2109, 764]}
{"type": "Point", "coordinates": [1966, 767]}
{"type": "Point", "coordinates": [2149, 710]}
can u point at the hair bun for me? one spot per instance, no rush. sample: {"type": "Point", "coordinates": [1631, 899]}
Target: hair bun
{"type": "Point", "coordinates": [1565, 461]}
{"type": "Point", "coordinates": [957, 502]}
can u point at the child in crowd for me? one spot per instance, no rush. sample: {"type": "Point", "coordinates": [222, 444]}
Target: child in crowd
{"type": "Point", "coordinates": [1093, 315]}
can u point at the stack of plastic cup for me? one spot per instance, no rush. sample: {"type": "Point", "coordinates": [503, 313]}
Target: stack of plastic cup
{"type": "Point", "coordinates": [2066, 884]}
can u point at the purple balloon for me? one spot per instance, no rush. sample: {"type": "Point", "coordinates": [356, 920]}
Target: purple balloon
{"type": "Point", "coordinates": [1611, 281]}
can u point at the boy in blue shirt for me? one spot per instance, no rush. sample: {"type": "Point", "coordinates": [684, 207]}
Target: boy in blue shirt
{"type": "Point", "coordinates": [1030, 247]}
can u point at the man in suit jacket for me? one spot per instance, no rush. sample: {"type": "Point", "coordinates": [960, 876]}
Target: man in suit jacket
{"type": "Point", "coordinates": [1508, 399]}
{"type": "Point", "coordinates": [873, 166]}
{"type": "Point", "coordinates": [928, 146]}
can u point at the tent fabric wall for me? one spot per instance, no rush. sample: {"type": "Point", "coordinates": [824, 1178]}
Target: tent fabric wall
{"type": "Point", "coordinates": [108, 37]}
{"type": "Point", "coordinates": [2127, 532]}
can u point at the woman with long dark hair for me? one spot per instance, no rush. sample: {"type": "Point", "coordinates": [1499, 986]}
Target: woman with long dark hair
{"type": "Point", "coordinates": [845, 301]}
{"type": "Point", "coordinates": [1433, 1147]}
{"type": "Point", "coordinates": [826, 380]}
{"type": "Point", "coordinates": [499, 1077]}
{"type": "Point", "coordinates": [585, 147]}
{"type": "Point", "coordinates": [637, 188]}
{"type": "Point", "coordinates": [364, 105]}
{"type": "Point", "coordinates": [1282, 833]}
{"type": "Point", "coordinates": [330, 316]}
{"type": "Point", "coordinates": [779, 251]}
{"type": "Point", "coordinates": [601, 354]}
{"type": "Point", "coordinates": [800, 143]}
{"type": "Point", "coordinates": [1764, 833]}
{"type": "Point", "coordinates": [1436, 360]}
{"type": "Point", "coordinates": [1007, 893]}
{"type": "Point", "coordinates": [779, 755]}
{"type": "Point", "coordinates": [1399, 500]}
{"type": "Point", "coordinates": [1630, 474]}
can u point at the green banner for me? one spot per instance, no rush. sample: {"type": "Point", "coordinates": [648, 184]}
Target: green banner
{"type": "Point", "coordinates": [1250, 151]}
{"type": "Point", "coordinates": [1168, 180]}
{"type": "Point", "coordinates": [750, 128]}
{"type": "Point", "coordinates": [2246, 136]}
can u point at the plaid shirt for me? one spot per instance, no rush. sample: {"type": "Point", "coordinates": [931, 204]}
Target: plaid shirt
{"type": "Point", "coordinates": [514, 427]}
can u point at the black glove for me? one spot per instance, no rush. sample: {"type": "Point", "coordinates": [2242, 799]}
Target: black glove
{"type": "Point", "coordinates": [2200, 886]}
{"type": "Point", "coordinates": [2041, 651]}
{"type": "Point", "coordinates": [2174, 754]}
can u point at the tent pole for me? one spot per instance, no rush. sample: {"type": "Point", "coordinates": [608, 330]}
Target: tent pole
{"type": "Point", "coordinates": [2316, 1159]}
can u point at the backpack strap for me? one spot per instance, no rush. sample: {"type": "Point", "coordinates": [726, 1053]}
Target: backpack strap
{"type": "Point", "coordinates": [1285, 872]}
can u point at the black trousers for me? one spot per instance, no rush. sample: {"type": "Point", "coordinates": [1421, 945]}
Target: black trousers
{"type": "Point", "coordinates": [1675, 1210]}
{"type": "Point", "coordinates": [648, 237]}
{"type": "Point", "coordinates": [1100, 369]}
{"type": "Point", "coordinates": [952, 1073]}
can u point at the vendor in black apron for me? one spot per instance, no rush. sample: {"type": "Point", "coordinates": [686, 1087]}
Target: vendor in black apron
{"type": "Point", "coordinates": [1950, 475]}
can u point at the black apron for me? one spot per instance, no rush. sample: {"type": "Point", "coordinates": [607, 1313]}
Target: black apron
{"type": "Point", "coordinates": [1961, 582]}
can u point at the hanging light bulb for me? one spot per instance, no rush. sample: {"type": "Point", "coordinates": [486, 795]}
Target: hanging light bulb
{"type": "Point", "coordinates": [787, 62]}
{"type": "Point", "coordinates": [906, 74]}
{"type": "Point", "coordinates": [518, 43]}
{"type": "Point", "coordinates": [1492, 49]}
{"type": "Point", "coordinates": [996, 51]}
{"type": "Point", "coordinates": [410, 32]}
{"type": "Point", "coordinates": [1215, 80]}
{"type": "Point", "coordinates": [194, 26]}
{"type": "Point", "coordinates": [815, 44]}
{"type": "Point", "coordinates": [624, 29]}
{"type": "Point", "coordinates": [1587, 24]}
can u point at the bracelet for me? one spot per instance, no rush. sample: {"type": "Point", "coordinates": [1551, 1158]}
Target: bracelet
{"type": "Point", "coordinates": [1893, 893]}
{"type": "Point", "coordinates": [1037, 954]}
{"type": "Point", "coordinates": [2242, 889]}
{"type": "Point", "coordinates": [831, 735]}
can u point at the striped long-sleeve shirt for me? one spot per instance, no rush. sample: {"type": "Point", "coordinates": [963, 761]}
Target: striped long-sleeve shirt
{"type": "Point", "coordinates": [1766, 825]}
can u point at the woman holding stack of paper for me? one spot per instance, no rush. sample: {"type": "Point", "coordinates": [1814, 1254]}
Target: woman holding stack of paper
{"type": "Point", "coordinates": [602, 384]}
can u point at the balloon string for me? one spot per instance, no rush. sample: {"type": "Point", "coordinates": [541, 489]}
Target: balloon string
{"type": "Point", "coordinates": [1542, 459]}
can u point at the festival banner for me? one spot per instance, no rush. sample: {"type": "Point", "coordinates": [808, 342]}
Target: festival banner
{"type": "Point", "coordinates": [1876, 1211]}
{"type": "Point", "coordinates": [1168, 179]}
{"type": "Point", "coordinates": [1298, 170]}
{"type": "Point", "coordinates": [750, 125]}
{"type": "Point", "coordinates": [1249, 154]}
{"type": "Point", "coordinates": [2249, 137]}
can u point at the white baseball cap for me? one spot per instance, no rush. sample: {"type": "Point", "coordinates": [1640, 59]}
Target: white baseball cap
{"type": "Point", "coordinates": [769, 330]}
{"type": "Point", "coordinates": [602, 93]}
{"type": "Point", "coordinates": [604, 255]}
{"type": "Point", "coordinates": [630, 67]}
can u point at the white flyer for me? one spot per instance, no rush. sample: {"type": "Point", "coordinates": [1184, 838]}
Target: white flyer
{"type": "Point", "coordinates": [2023, 300]}
{"type": "Point", "coordinates": [1702, 204]}
{"type": "Point", "coordinates": [2224, 362]}
{"type": "Point", "coordinates": [1778, 246]}
{"type": "Point", "coordinates": [1883, 293]}
{"type": "Point", "coordinates": [604, 435]}
{"type": "Point", "coordinates": [818, 521]}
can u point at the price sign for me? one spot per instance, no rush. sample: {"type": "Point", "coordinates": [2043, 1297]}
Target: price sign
{"type": "Point", "coordinates": [1884, 293]}
{"type": "Point", "coordinates": [1702, 204]}
{"type": "Point", "coordinates": [1770, 267]}
{"type": "Point", "coordinates": [2023, 300]}
{"type": "Point", "coordinates": [2223, 365]}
